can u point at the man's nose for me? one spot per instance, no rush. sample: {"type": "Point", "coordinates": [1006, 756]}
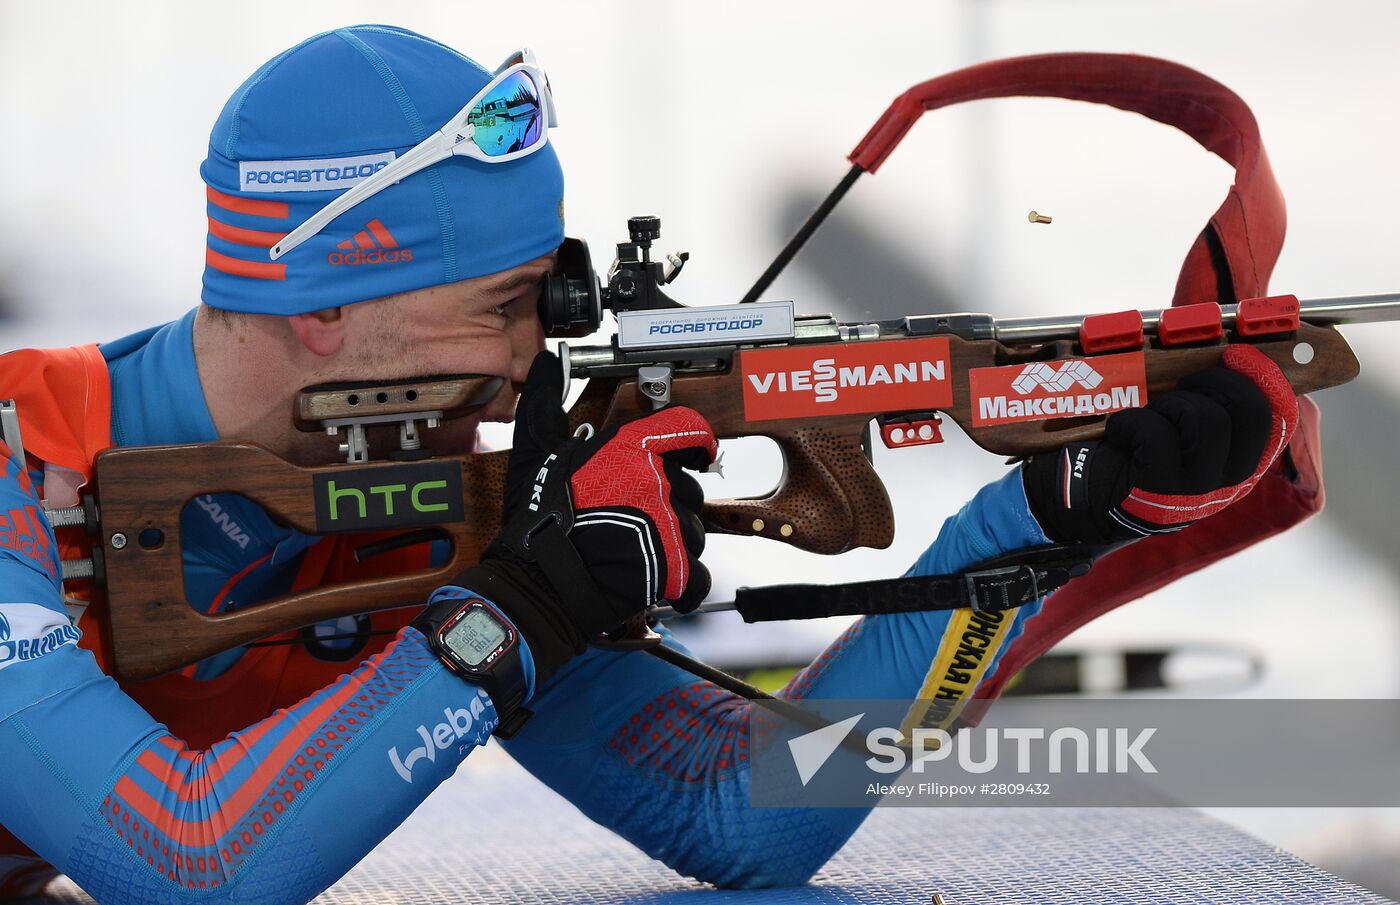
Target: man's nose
{"type": "Point", "coordinates": [527, 341]}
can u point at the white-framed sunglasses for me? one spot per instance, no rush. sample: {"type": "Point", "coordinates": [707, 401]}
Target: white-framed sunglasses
{"type": "Point", "coordinates": [508, 119]}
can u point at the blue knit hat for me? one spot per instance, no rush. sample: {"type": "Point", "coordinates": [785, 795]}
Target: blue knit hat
{"type": "Point", "coordinates": [323, 115]}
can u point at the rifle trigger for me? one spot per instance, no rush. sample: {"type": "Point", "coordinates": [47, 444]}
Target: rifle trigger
{"type": "Point", "coordinates": [634, 634]}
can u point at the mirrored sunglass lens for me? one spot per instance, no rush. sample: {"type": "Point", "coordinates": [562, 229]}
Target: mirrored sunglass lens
{"type": "Point", "coordinates": [509, 118]}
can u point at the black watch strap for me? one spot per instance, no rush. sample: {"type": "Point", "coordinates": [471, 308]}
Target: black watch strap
{"type": "Point", "coordinates": [504, 681]}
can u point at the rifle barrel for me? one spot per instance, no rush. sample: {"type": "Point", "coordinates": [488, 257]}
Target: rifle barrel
{"type": "Point", "coordinates": [585, 361]}
{"type": "Point", "coordinates": [1353, 309]}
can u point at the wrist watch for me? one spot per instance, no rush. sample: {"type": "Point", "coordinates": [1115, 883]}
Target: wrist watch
{"type": "Point", "coordinates": [474, 640]}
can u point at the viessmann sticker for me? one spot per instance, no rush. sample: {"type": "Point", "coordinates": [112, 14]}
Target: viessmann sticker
{"type": "Point", "coordinates": [846, 379]}
{"type": "Point", "coordinates": [1071, 388]}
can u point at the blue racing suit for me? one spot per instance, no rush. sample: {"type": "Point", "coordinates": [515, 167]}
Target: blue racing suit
{"type": "Point", "coordinates": [279, 810]}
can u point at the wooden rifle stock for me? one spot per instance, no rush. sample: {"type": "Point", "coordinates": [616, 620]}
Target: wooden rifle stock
{"type": "Point", "coordinates": [141, 493]}
{"type": "Point", "coordinates": [829, 499]}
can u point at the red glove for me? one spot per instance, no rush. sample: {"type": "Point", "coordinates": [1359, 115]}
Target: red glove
{"type": "Point", "coordinates": [635, 482]}
{"type": "Point", "coordinates": [596, 530]}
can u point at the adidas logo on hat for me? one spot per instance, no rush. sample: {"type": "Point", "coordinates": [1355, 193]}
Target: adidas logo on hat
{"type": "Point", "coordinates": [372, 245]}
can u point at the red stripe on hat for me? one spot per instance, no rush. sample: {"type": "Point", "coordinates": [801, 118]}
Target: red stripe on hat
{"type": "Point", "coordinates": [258, 270]}
{"type": "Point", "coordinates": [240, 236]}
{"type": "Point", "coordinates": [363, 240]}
{"type": "Point", "coordinates": [381, 233]}
{"type": "Point", "coordinates": [279, 209]}
{"type": "Point", "coordinates": [346, 245]}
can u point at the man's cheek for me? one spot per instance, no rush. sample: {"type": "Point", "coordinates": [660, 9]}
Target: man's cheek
{"type": "Point", "coordinates": [483, 353]}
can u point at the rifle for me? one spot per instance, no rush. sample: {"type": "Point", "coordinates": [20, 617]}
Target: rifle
{"type": "Point", "coordinates": [1016, 386]}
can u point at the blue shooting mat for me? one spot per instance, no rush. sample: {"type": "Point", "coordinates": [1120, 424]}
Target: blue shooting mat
{"type": "Point", "coordinates": [493, 834]}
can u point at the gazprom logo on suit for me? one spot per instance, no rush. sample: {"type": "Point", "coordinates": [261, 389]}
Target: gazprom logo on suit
{"type": "Point", "coordinates": [29, 631]}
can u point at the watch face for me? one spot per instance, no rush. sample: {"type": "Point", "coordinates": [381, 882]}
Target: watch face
{"type": "Point", "coordinates": [475, 637]}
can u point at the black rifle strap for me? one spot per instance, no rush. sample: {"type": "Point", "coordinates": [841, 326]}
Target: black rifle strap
{"type": "Point", "coordinates": [999, 583]}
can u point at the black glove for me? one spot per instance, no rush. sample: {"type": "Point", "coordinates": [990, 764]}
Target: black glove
{"type": "Point", "coordinates": [596, 530]}
{"type": "Point", "coordinates": [1186, 455]}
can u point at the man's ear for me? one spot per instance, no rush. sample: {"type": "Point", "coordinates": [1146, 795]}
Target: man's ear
{"type": "Point", "coordinates": [321, 332]}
